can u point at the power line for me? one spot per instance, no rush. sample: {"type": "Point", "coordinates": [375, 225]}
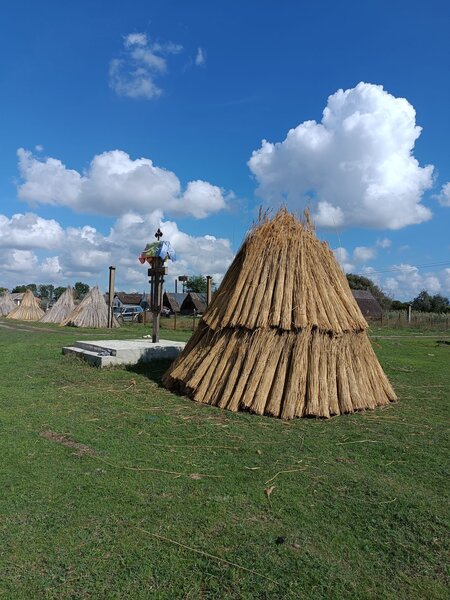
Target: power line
{"type": "Point", "coordinates": [399, 270]}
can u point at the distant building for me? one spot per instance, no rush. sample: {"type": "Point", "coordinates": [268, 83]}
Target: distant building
{"type": "Point", "coordinates": [194, 302]}
{"type": "Point", "coordinates": [173, 301]}
{"type": "Point", "coordinates": [368, 304]}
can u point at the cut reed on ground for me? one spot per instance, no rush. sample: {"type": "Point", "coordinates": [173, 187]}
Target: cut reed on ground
{"type": "Point", "coordinates": [283, 335]}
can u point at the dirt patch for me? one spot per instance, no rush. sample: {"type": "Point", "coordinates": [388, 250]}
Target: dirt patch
{"type": "Point", "coordinates": [81, 449]}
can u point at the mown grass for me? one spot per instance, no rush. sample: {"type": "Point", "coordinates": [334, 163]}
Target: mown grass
{"type": "Point", "coordinates": [358, 507]}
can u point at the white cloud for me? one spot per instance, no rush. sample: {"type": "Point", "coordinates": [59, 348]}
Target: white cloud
{"type": "Point", "coordinates": [134, 73]}
{"type": "Point", "coordinates": [25, 231]}
{"type": "Point", "coordinates": [363, 254]}
{"type": "Point", "coordinates": [84, 253]}
{"type": "Point", "coordinates": [200, 58]}
{"type": "Point", "coordinates": [115, 184]}
{"type": "Point", "coordinates": [356, 166]}
{"type": "Point", "coordinates": [342, 256]}
{"type": "Point", "coordinates": [384, 243]}
{"type": "Point", "coordinates": [444, 195]}
{"type": "Point", "coordinates": [407, 281]}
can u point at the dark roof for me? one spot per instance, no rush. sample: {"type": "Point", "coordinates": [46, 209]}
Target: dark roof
{"type": "Point", "coordinates": [134, 299]}
{"type": "Point", "coordinates": [368, 305]}
{"type": "Point", "coordinates": [197, 301]}
{"type": "Point", "coordinates": [174, 300]}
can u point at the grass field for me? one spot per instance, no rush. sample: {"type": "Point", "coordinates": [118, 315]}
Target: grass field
{"type": "Point", "coordinates": [112, 487]}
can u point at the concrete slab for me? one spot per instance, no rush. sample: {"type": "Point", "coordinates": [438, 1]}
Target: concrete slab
{"type": "Point", "coordinates": [103, 353]}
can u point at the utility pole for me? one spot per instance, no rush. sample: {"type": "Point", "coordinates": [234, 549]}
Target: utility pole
{"type": "Point", "coordinates": [112, 271]}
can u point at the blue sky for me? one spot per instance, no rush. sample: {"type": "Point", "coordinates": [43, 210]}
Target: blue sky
{"type": "Point", "coordinates": [131, 115]}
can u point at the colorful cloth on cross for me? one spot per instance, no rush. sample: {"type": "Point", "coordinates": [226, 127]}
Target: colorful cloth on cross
{"type": "Point", "coordinates": [160, 249]}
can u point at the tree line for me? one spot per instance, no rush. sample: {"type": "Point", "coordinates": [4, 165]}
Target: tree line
{"type": "Point", "coordinates": [47, 291]}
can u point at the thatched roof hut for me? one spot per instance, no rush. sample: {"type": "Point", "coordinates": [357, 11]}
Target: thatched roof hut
{"type": "Point", "coordinates": [7, 304]}
{"type": "Point", "coordinates": [368, 304]}
{"type": "Point", "coordinates": [194, 302]}
{"type": "Point", "coordinates": [283, 335]}
{"type": "Point", "coordinates": [61, 309]}
{"type": "Point", "coordinates": [91, 312]}
{"type": "Point", "coordinates": [28, 310]}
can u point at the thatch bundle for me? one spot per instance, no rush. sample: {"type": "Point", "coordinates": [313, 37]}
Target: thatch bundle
{"type": "Point", "coordinates": [91, 312]}
{"type": "Point", "coordinates": [7, 304]}
{"type": "Point", "coordinates": [28, 310]}
{"type": "Point", "coordinates": [283, 335]}
{"type": "Point", "coordinates": [61, 309]}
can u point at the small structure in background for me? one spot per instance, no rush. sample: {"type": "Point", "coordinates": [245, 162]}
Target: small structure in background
{"type": "Point", "coordinates": [91, 312]}
{"type": "Point", "coordinates": [28, 310]}
{"type": "Point", "coordinates": [155, 254]}
{"type": "Point", "coordinates": [7, 304]}
{"type": "Point", "coordinates": [194, 303]}
{"type": "Point", "coordinates": [173, 301]}
{"type": "Point", "coordinates": [61, 309]}
{"type": "Point", "coordinates": [368, 304]}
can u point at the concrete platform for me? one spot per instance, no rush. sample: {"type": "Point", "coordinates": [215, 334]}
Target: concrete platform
{"type": "Point", "coordinates": [105, 353]}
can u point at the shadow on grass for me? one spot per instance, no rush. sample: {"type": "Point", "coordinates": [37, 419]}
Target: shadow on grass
{"type": "Point", "coordinates": [153, 370]}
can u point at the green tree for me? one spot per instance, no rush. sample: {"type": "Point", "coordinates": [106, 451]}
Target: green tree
{"type": "Point", "coordinates": [3, 290]}
{"type": "Point", "coordinates": [439, 304]}
{"type": "Point", "coordinates": [46, 291]}
{"type": "Point", "coordinates": [397, 305]}
{"type": "Point", "coordinates": [81, 289]}
{"type": "Point", "coordinates": [59, 291]}
{"type": "Point", "coordinates": [358, 282]}
{"type": "Point", "coordinates": [20, 289]}
{"type": "Point", "coordinates": [198, 283]}
{"type": "Point", "coordinates": [422, 302]}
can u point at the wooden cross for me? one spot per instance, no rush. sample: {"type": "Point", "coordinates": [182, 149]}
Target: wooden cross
{"type": "Point", "coordinates": [158, 234]}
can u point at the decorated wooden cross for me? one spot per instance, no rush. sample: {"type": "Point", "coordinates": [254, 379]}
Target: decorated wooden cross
{"type": "Point", "coordinates": [155, 254]}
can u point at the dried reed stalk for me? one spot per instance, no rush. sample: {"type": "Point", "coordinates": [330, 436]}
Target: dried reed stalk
{"type": "Point", "coordinates": [283, 336]}
{"type": "Point", "coordinates": [28, 309]}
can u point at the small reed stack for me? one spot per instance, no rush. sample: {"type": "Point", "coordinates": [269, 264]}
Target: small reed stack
{"type": "Point", "coordinates": [91, 312]}
{"type": "Point", "coordinates": [28, 310]}
{"type": "Point", "coordinates": [61, 309]}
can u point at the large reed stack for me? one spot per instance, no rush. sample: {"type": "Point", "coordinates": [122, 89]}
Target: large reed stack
{"type": "Point", "coordinates": [7, 304]}
{"type": "Point", "coordinates": [91, 312]}
{"type": "Point", "coordinates": [283, 335]}
{"type": "Point", "coordinates": [61, 309]}
{"type": "Point", "coordinates": [28, 309]}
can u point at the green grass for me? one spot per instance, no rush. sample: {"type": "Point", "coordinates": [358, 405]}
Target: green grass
{"type": "Point", "coordinates": [359, 502]}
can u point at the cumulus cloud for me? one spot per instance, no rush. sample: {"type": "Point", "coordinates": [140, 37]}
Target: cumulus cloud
{"type": "Point", "coordinates": [25, 231]}
{"type": "Point", "coordinates": [200, 58]}
{"type": "Point", "coordinates": [356, 167]}
{"type": "Point", "coordinates": [384, 243]}
{"type": "Point", "coordinates": [444, 195]}
{"type": "Point", "coordinates": [407, 281]}
{"type": "Point", "coordinates": [84, 253]}
{"type": "Point", "coordinates": [133, 75]}
{"type": "Point", "coordinates": [342, 256]}
{"type": "Point", "coordinates": [113, 185]}
{"type": "Point", "coordinates": [363, 254]}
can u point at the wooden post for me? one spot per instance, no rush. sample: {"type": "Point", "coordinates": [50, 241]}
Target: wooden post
{"type": "Point", "coordinates": [112, 271]}
{"type": "Point", "coordinates": [208, 290]}
{"type": "Point", "coordinates": [156, 274]}
{"type": "Point", "coordinates": [175, 320]}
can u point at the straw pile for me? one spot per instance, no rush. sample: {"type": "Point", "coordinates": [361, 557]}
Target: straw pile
{"type": "Point", "coordinates": [28, 310]}
{"type": "Point", "coordinates": [7, 304]}
{"type": "Point", "coordinates": [91, 312]}
{"type": "Point", "coordinates": [61, 309]}
{"type": "Point", "coordinates": [283, 335]}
